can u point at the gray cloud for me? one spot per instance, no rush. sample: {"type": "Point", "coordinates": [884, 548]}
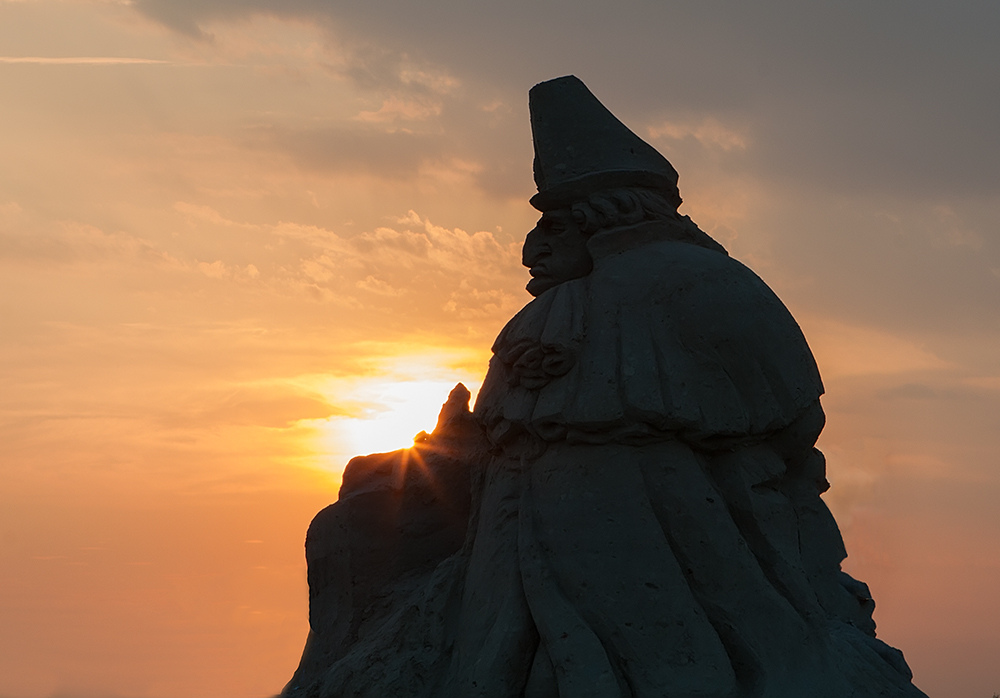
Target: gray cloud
{"type": "Point", "coordinates": [908, 265]}
{"type": "Point", "coordinates": [862, 121]}
{"type": "Point", "coordinates": [920, 391]}
{"type": "Point", "coordinates": [391, 154]}
{"type": "Point", "coordinates": [854, 95]}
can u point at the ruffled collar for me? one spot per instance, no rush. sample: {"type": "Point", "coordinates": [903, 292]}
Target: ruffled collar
{"type": "Point", "coordinates": [630, 237]}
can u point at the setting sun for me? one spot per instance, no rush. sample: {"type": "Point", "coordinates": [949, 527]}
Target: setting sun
{"type": "Point", "coordinates": [396, 412]}
{"type": "Point", "coordinates": [385, 409]}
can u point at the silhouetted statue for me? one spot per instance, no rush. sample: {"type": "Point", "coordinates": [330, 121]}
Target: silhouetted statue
{"type": "Point", "coordinates": [633, 508]}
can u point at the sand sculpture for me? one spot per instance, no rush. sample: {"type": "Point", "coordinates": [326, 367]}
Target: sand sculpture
{"type": "Point", "coordinates": [632, 509]}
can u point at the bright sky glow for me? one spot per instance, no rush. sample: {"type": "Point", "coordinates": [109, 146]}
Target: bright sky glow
{"type": "Point", "coordinates": [386, 410]}
{"type": "Point", "coordinates": [396, 412]}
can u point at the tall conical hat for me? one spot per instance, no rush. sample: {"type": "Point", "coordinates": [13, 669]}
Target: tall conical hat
{"type": "Point", "coordinates": [582, 148]}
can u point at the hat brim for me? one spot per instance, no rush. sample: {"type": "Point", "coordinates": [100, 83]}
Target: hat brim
{"type": "Point", "coordinates": [569, 192]}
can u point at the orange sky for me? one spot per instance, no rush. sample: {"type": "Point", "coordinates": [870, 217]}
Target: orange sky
{"type": "Point", "coordinates": [243, 241]}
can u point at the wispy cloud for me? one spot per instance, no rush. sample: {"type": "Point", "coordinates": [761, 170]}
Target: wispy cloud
{"type": "Point", "coordinates": [708, 131]}
{"type": "Point", "coordinates": [80, 60]}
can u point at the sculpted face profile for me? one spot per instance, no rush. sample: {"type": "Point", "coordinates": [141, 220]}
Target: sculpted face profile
{"type": "Point", "coordinates": [556, 248]}
{"type": "Point", "coordinates": [632, 509]}
{"type": "Point", "coordinates": [555, 251]}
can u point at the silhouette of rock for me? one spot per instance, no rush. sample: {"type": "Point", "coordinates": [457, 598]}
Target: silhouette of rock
{"type": "Point", "coordinates": [633, 508]}
{"type": "Point", "coordinates": [398, 515]}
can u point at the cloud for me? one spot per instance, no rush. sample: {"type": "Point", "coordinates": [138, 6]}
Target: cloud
{"type": "Point", "coordinates": [439, 270]}
{"type": "Point", "coordinates": [436, 275]}
{"type": "Point", "coordinates": [215, 270]}
{"type": "Point", "coordinates": [373, 285]}
{"type": "Point", "coordinates": [200, 212]}
{"type": "Point", "coordinates": [275, 406]}
{"type": "Point", "coordinates": [991, 383]}
{"type": "Point", "coordinates": [912, 391]}
{"type": "Point", "coordinates": [377, 66]}
{"type": "Point", "coordinates": [81, 60]}
{"type": "Point", "coordinates": [395, 109]}
{"type": "Point", "coordinates": [849, 97]}
{"type": "Point", "coordinates": [848, 350]}
{"type": "Point", "coordinates": [708, 132]}
{"type": "Point", "coordinates": [394, 154]}
{"type": "Point", "coordinates": [72, 242]}
{"type": "Point", "coordinates": [889, 262]}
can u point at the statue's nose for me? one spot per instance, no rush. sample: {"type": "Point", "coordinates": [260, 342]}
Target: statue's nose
{"type": "Point", "coordinates": [533, 249]}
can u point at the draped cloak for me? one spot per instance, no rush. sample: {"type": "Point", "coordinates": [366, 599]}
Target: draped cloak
{"type": "Point", "coordinates": [649, 522]}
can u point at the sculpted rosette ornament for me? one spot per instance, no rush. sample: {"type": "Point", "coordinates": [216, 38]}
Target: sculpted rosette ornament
{"type": "Point", "coordinates": [632, 509]}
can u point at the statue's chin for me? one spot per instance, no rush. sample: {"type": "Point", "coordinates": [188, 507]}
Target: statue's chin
{"type": "Point", "coordinates": [540, 284]}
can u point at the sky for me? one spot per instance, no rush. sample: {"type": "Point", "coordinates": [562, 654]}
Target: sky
{"type": "Point", "coordinates": [244, 240]}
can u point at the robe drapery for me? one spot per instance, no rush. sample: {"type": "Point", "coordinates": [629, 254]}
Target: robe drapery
{"type": "Point", "coordinates": [663, 338]}
{"type": "Point", "coordinates": [646, 521]}
{"type": "Point", "coordinates": [651, 523]}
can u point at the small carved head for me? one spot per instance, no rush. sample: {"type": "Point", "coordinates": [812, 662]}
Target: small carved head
{"type": "Point", "coordinates": [555, 251]}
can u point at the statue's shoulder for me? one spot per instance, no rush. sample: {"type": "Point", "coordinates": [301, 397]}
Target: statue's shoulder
{"type": "Point", "coordinates": [681, 273]}
{"type": "Point", "coordinates": [708, 311]}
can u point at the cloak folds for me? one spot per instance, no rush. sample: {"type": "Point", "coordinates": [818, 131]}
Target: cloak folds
{"type": "Point", "coordinates": [662, 338]}
{"type": "Point", "coordinates": [645, 521]}
{"type": "Point", "coordinates": [633, 508]}
{"type": "Point", "coordinates": [650, 524]}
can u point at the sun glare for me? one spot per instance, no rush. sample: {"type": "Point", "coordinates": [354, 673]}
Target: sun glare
{"type": "Point", "coordinates": [398, 412]}
{"type": "Point", "coordinates": [386, 409]}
